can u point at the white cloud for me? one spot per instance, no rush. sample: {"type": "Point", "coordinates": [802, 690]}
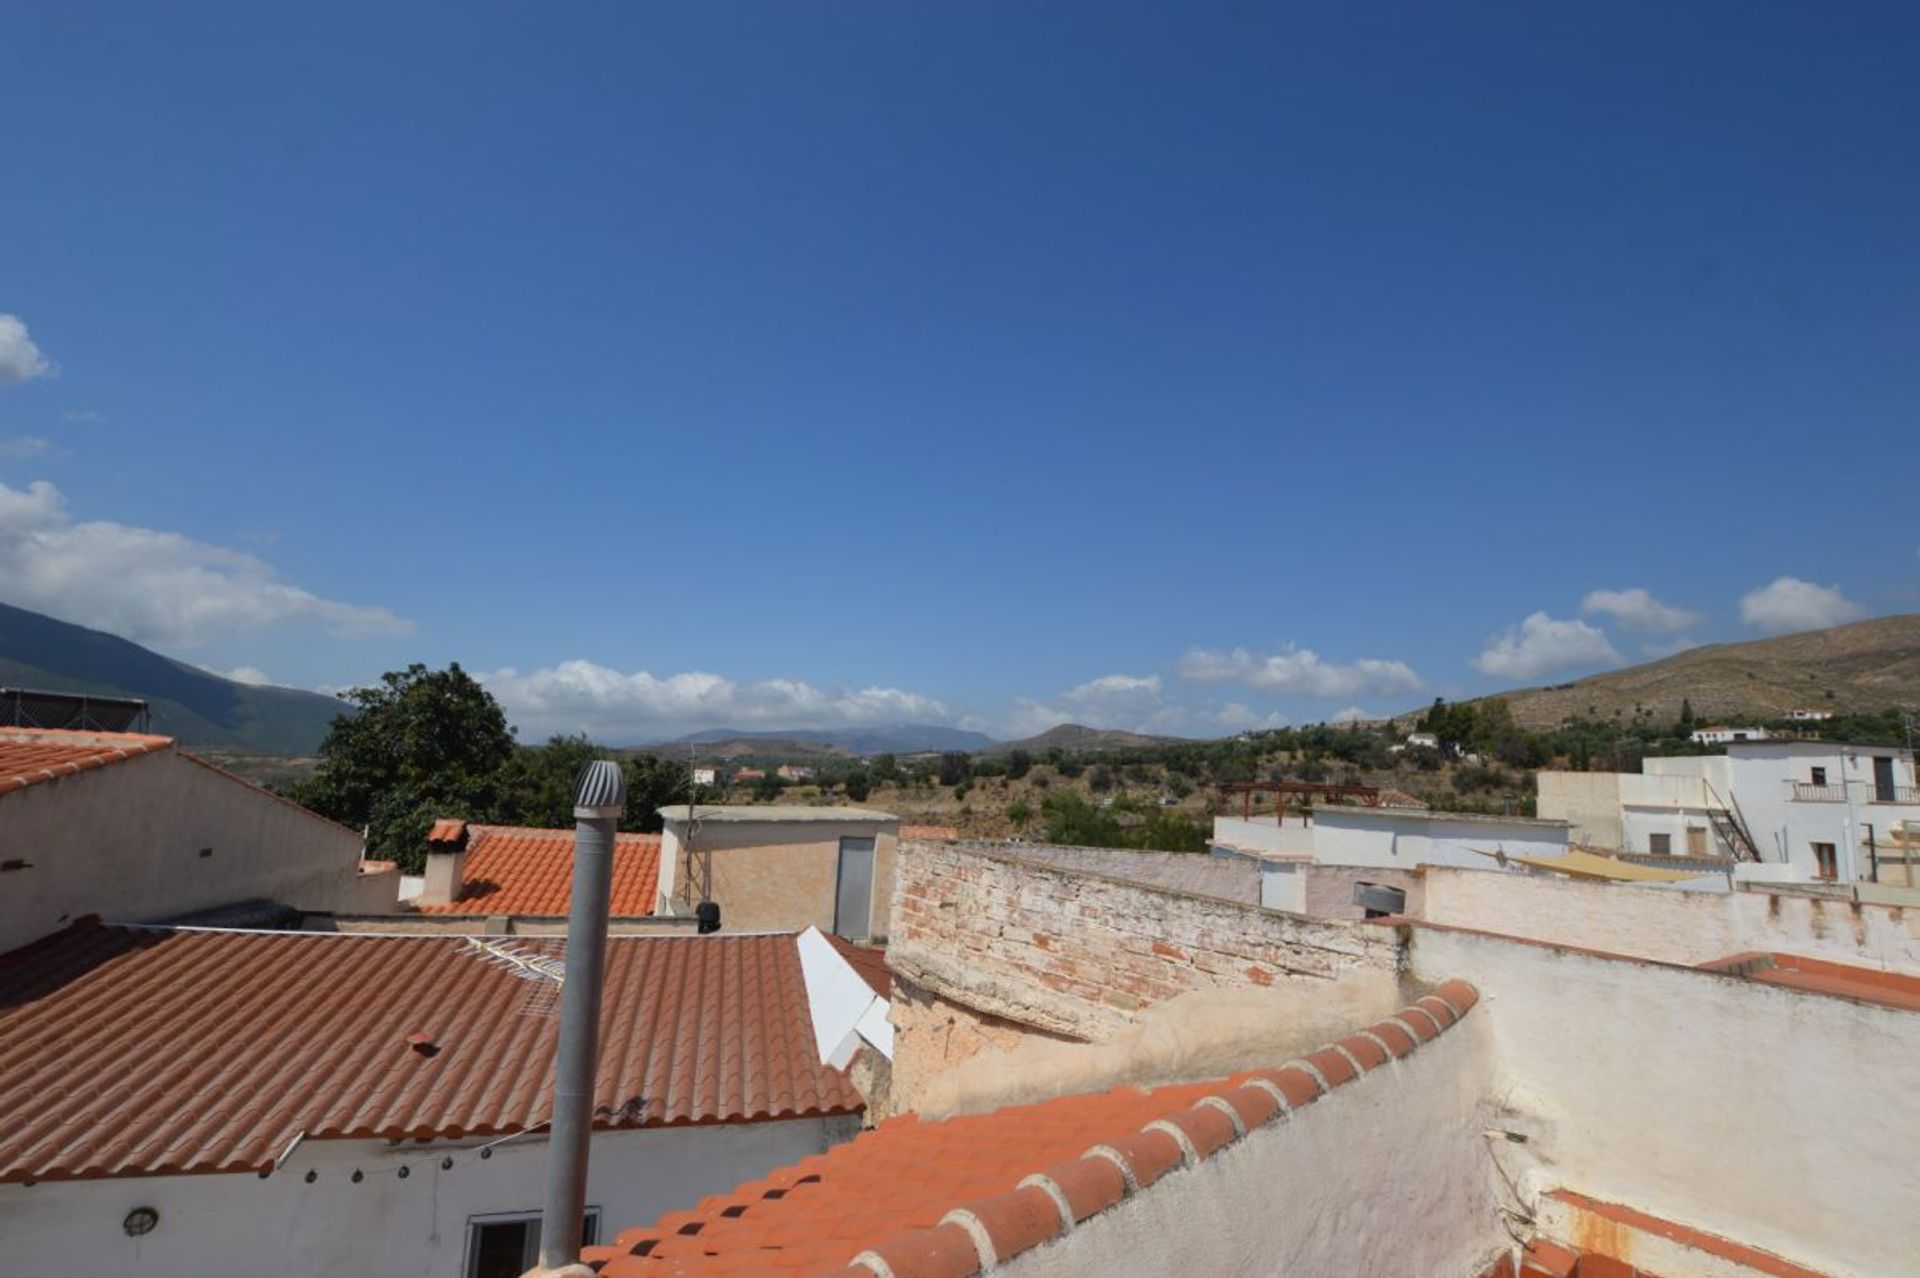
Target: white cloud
{"type": "Point", "coordinates": [581, 696]}
{"type": "Point", "coordinates": [1299, 672]}
{"type": "Point", "coordinates": [1792, 604]}
{"type": "Point", "coordinates": [1542, 645]}
{"type": "Point", "coordinates": [153, 587]}
{"type": "Point", "coordinates": [1352, 714]}
{"type": "Point", "coordinates": [20, 359]}
{"type": "Point", "coordinates": [21, 447]}
{"type": "Point", "coordinates": [1237, 717]}
{"type": "Point", "coordinates": [1637, 609]}
{"type": "Point", "coordinates": [253, 676]}
{"type": "Point", "coordinates": [1135, 703]}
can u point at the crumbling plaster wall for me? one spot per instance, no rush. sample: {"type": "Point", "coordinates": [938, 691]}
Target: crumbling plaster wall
{"type": "Point", "coordinates": [992, 948]}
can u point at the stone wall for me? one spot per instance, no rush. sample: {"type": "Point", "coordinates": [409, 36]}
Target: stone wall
{"type": "Point", "coordinates": [1233, 878]}
{"type": "Point", "coordinates": [993, 946]}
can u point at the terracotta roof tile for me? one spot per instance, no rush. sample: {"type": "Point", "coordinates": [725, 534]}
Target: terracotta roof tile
{"type": "Point", "coordinates": [930, 833]}
{"type": "Point", "coordinates": [869, 962]}
{"type": "Point", "coordinates": [911, 1193]}
{"type": "Point", "coordinates": [29, 756]}
{"type": "Point", "coordinates": [526, 872]}
{"type": "Point", "coordinates": [128, 1051]}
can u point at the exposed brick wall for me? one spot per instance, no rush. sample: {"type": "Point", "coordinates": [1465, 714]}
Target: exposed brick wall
{"type": "Point", "coordinates": [1078, 954]}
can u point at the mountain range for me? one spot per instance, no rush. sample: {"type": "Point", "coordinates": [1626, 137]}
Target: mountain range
{"type": "Point", "coordinates": [197, 706]}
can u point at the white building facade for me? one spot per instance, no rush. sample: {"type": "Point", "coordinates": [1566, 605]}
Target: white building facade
{"type": "Point", "coordinates": [1815, 811]}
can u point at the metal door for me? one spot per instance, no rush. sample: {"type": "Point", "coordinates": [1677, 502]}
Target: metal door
{"type": "Point", "coordinates": [1882, 778]}
{"type": "Point", "coordinates": [853, 903]}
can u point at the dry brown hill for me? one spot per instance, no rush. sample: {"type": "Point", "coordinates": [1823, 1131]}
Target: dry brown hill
{"type": "Point", "coordinates": [1074, 736]}
{"type": "Point", "coordinates": [1866, 666]}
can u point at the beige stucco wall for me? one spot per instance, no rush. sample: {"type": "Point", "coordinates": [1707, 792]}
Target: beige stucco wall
{"type": "Point", "coordinates": [1589, 800]}
{"type": "Point", "coordinates": [125, 841]}
{"type": "Point", "coordinates": [778, 876]}
{"type": "Point", "coordinates": [1677, 927]}
{"type": "Point", "coordinates": [1781, 1119]}
{"type": "Point", "coordinates": [1327, 890]}
{"type": "Point", "coordinates": [1387, 1175]}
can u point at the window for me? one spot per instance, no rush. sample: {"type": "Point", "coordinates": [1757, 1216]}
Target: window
{"type": "Point", "coordinates": [1660, 844]}
{"type": "Point", "coordinates": [507, 1245]}
{"type": "Point", "coordinates": [1827, 865]}
{"type": "Point", "coordinates": [1819, 776]}
{"type": "Point", "coordinates": [1697, 840]}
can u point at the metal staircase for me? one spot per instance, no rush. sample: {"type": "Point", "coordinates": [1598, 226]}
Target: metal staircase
{"type": "Point", "coordinates": [1730, 828]}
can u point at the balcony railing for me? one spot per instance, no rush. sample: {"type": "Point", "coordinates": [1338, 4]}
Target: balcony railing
{"type": "Point", "coordinates": [1836, 792]}
{"type": "Point", "coordinates": [1808, 792]}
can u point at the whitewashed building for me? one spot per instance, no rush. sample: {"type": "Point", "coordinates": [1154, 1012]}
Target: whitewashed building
{"type": "Point", "coordinates": [1797, 811]}
{"type": "Point", "coordinates": [1386, 842]}
{"type": "Point", "coordinates": [1727, 736]}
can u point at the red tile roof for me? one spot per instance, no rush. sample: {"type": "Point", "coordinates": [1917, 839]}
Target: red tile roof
{"type": "Point", "coordinates": [31, 755]}
{"type": "Point", "coordinates": [931, 833]}
{"type": "Point", "coordinates": [909, 1193]}
{"type": "Point", "coordinates": [526, 872]}
{"type": "Point", "coordinates": [869, 962]}
{"type": "Point", "coordinates": [1820, 976]}
{"type": "Point", "coordinates": [129, 1051]}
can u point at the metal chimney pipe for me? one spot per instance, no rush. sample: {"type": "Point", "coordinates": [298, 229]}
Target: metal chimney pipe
{"type": "Point", "coordinates": [598, 798]}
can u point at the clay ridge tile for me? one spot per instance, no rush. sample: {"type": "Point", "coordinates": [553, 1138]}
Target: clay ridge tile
{"type": "Point", "coordinates": [958, 1196]}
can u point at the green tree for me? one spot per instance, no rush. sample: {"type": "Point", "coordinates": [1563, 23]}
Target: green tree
{"type": "Point", "coordinates": [955, 767]}
{"type": "Point", "coordinates": [859, 785]}
{"type": "Point", "coordinates": [1019, 763]}
{"type": "Point", "coordinates": [424, 743]}
{"type": "Point", "coordinates": [1686, 715]}
{"type": "Point", "coordinates": [885, 769]}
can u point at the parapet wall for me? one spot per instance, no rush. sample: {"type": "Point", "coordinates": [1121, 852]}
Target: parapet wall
{"type": "Point", "coordinates": [1673, 927]}
{"type": "Point", "coordinates": [993, 947]}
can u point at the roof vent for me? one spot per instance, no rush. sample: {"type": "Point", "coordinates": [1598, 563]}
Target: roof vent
{"type": "Point", "coordinates": [423, 1044]}
{"type": "Point", "coordinates": [599, 787]}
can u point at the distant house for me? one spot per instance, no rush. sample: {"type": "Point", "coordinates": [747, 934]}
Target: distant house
{"type": "Point", "coordinates": [198, 1102]}
{"type": "Point", "coordinates": [1726, 736]}
{"type": "Point", "coordinates": [706, 776]}
{"type": "Point", "coordinates": [131, 827]}
{"type": "Point", "coordinates": [742, 776]}
{"type": "Point", "coordinates": [1423, 740]}
{"type": "Point", "coordinates": [1809, 716]}
{"type": "Point", "coordinates": [795, 772]}
{"type": "Point", "coordinates": [780, 866]}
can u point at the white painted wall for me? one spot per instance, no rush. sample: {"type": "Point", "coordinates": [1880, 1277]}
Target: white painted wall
{"type": "Point", "coordinates": [242, 1226]}
{"type": "Point", "coordinates": [124, 841]}
{"type": "Point", "coordinates": [1388, 1175]}
{"type": "Point", "coordinates": [1263, 834]}
{"type": "Point", "coordinates": [1781, 1119]}
{"type": "Point", "coordinates": [1401, 840]}
{"type": "Point", "coordinates": [1675, 927]}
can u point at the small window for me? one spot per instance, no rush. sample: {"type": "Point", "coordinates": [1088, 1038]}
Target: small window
{"type": "Point", "coordinates": [1819, 776]}
{"type": "Point", "coordinates": [507, 1245]}
{"type": "Point", "coordinates": [1826, 864]}
{"type": "Point", "coordinates": [1697, 841]}
{"type": "Point", "coordinates": [1660, 844]}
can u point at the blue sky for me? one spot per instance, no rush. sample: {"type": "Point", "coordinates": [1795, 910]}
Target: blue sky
{"type": "Point", "coordinates": [1183, 367]}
